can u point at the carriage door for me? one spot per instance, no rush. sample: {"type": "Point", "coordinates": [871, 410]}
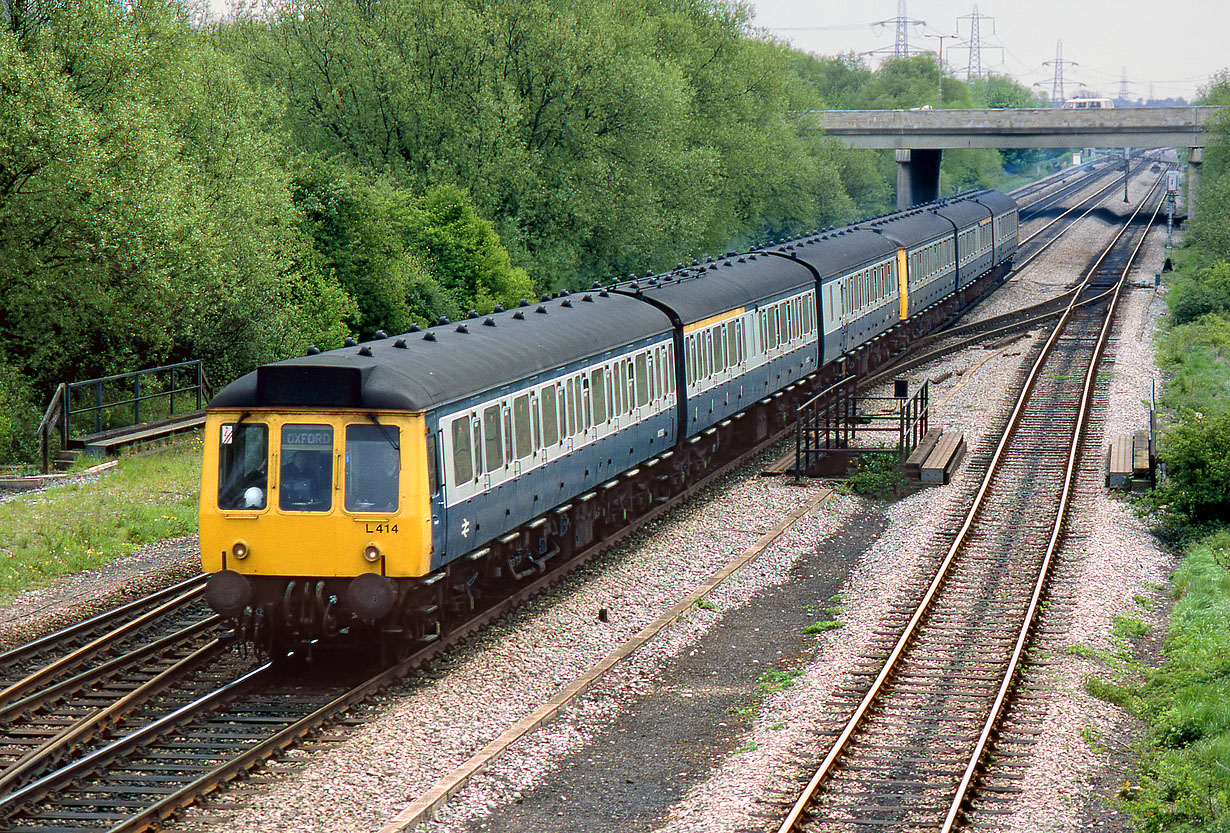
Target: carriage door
{"type": "Point", "coordinates": [436, 473]}
{"type": "Point", "coordinates": [844, 308]}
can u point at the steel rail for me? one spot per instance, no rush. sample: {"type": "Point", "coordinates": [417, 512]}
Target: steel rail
{"type": "Point", "coordinates": [23, 686]}
{"type": "Point", "coordinates": [35, 791]}
{"type": "Point", "coordinates": [59, 745]}
{"type": "Point", "coordinates": [1061, 191]}
{"type": "Point", "coordinates": [11, 711]}
{"type": "Point", "coordinates": [1001, 697]}
{"type": "Point", "coordinates": [923, 608]}
{"type": "Point", "coordinates": [18, 652]}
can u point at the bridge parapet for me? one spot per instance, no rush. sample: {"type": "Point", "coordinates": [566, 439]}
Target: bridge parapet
{"type": "Point", "coordinates": [1136, 127]}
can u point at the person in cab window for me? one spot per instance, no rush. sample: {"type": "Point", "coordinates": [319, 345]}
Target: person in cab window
{"type": "Point", "coordinates": [300, 482]}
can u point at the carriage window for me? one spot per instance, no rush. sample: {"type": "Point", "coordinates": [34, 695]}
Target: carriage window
{"type": "Point", "coordinates": [373, 467]}
{"type": "Point", "coordinates": [618, 394]}
{"type": "Point", "coordinates": [493, 442]}
{"type": "Point", "coordinates": [570, 421]}
{"type": "Point", "coordinates": [463, 452]}
{"type": "Point", "coordinates": [642, 380]}
{"type": "Point", "coordinates": [550, 416]}
{"type": "Point", "coordinates": [306, 483]}
{"type": "Point", "coordinates": [243, 460]}
{"type": "Point", "coordinates": [585, 410]}
{"type": "Point", "coordinates": [521, 425]}
{"type": "Point", "coordinates": [597, 387]}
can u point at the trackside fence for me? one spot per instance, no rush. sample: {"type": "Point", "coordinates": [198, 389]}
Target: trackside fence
{"type": "Point", "coordinates": [828, 425]}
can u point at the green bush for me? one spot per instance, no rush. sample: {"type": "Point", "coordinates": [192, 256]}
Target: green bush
{"type": "Point", "coordinates": [876, 476]}
{"type": "Point", "coordinates": [1195, 295]}
{"type": "Point", "coordinates": [1196, 453]}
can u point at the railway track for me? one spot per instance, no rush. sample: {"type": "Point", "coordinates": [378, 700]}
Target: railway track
{"type": "Point", "coordinates": [161, 719]}
{"type": "Point", "coordinates": [909, 756]}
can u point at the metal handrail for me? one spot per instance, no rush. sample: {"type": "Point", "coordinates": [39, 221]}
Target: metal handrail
{"type": "Point", "coordinates": [60, 411]}
{"type": "Point", "coordinates": [48, 424]}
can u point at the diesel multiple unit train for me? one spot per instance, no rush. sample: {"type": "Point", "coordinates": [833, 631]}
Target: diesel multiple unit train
{"type": "Point", "coordinates": [387, 487]}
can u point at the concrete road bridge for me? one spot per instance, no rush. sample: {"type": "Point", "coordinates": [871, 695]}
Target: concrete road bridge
{"type": "Point", "coordinates": [920, 137]}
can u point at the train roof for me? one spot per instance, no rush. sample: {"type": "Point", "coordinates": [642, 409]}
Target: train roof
{"type": "Point", "coordinates": [841, 252]}
{"type": "Point", "coordinates": [997, 201]}
{"type": "Point", "coordinates": [962, 212]}
{"type": "Point", "coordinates": [909, 228]}
{"type": "Point", "coordinates": [421, 370]}
{"type": "Point", "coordinates": [710, 289]}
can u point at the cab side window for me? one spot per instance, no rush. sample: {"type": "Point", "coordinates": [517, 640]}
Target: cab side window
{"type": "Point", "coordinates": [243, 464]}
{"type": "Point", "coordinates": [373, 468]}
{"type": "Point", "coordinates": [463, 452]}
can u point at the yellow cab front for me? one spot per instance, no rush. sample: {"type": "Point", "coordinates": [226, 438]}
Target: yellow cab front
{"type": "Point", "coordinates": [316, 494]}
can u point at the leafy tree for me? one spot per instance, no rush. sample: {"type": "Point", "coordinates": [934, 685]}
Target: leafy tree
{"type": "Point", "coordinates": [146, 214]}
{"type": "Point", "coordinates": [1000, 92]}
{"type": "Point", "coordinates": [462, 250]}
{"type": "Point", "coordinates": [358, 245]}
{"type": "Point", "coordinates": [404, 259]}
{"type": "Point", "coordinates": [595, 139]}
{"type": "Point", "coordinates": [19, 415]}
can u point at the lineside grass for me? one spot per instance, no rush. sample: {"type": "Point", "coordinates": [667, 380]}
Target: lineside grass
{"type": "Point", "coordinates": [77, 526]}
{"type": "Point", "coordinates": [1197, 355]}
{"type": "Point", "coordinates": [1185, 763]}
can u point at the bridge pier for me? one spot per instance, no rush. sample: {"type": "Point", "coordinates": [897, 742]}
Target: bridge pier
{"type": "Point", "coordinates": [1195, 158]}
{"type": "Point", "coordinates": [918, 176]}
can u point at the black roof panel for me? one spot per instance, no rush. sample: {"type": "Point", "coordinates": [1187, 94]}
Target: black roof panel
{"type": "Point", "coordinates": [704, 291]}
{"type": "Point", "coordinates": [909, 228]}
{"type": "Point", "coordinates": [997, 201]}
{"type": "Point", "coordinates": [839, 252]}
{"type": "Point", "coordinates": [962, 212]}
{"type": "Point", "coordinates": [442, 365]}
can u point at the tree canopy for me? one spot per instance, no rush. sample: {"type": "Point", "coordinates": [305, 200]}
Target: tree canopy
{"type": "Point", "coordinates": [237, 191]}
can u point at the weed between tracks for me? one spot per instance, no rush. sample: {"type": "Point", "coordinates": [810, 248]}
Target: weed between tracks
{"type": "Point", "coordinates": [85, 524]}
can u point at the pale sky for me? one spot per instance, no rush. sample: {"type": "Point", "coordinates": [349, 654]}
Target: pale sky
{"type": "Point", "coordinates": [1172, 47]}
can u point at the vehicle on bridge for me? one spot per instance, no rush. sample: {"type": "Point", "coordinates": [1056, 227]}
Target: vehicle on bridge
{"type": "Point", "coordinates": [1089, 104]}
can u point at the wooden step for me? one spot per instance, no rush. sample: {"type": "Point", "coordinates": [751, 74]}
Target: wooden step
{"type": "Point", "coordinates": [1119, 462]}
{"type": "Point", "coordinates": [108, 442]}
{"type": "Point", "coordinates": [1142, 456]}
{"type": "Point", "coordinates": [944, 458]}
{"type": "Point", "coordinates": [913, 464]}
